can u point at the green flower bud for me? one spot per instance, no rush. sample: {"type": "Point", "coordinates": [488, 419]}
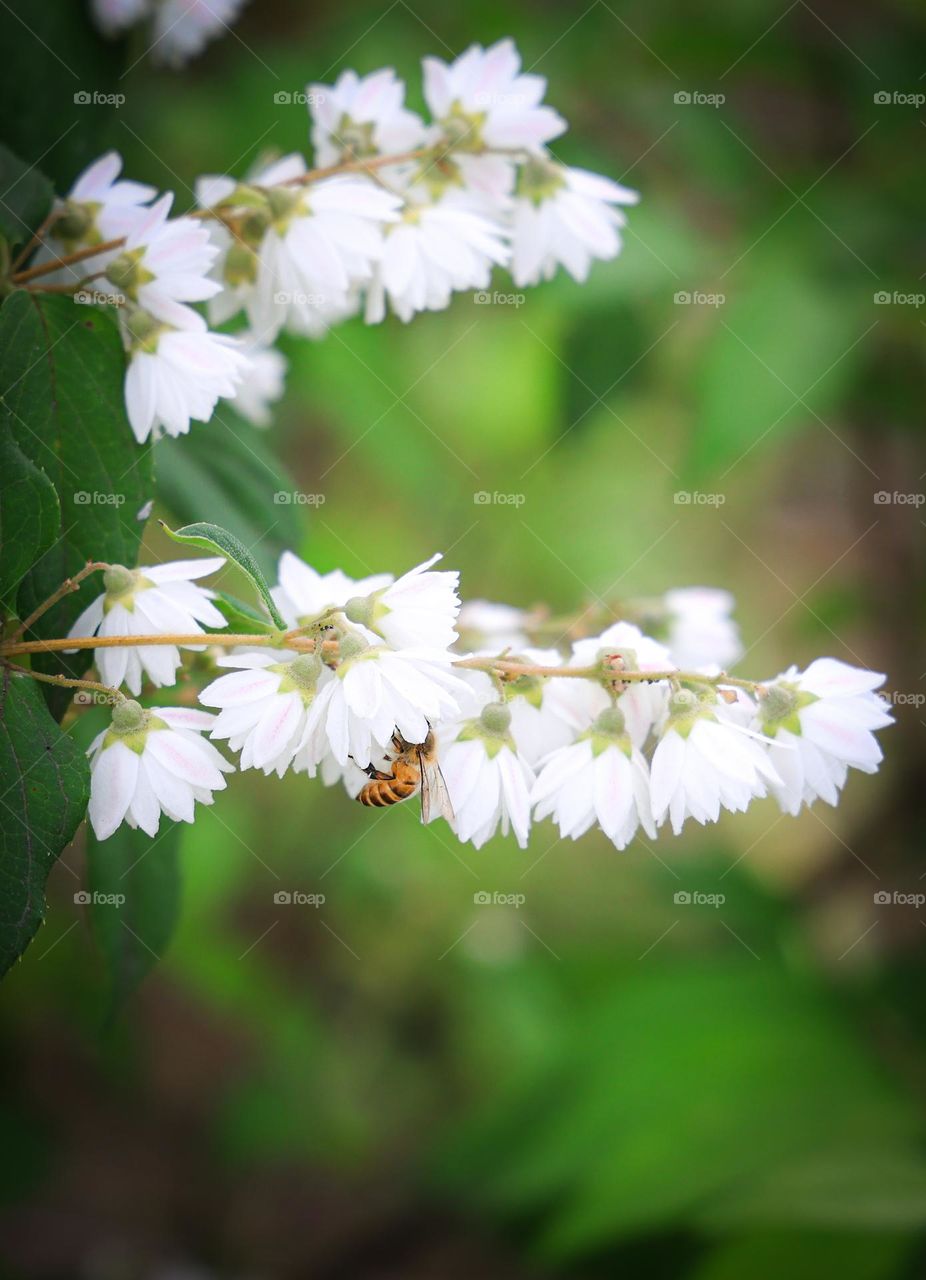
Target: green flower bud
{"type": "Point", "coordinates": [359, 609]}
{"type": "Point", "coordinates": [128, 717]}
{"type": "Point", "coordinates": [496, 718]}
{"type": "Point", "coordinates": [117, 579]}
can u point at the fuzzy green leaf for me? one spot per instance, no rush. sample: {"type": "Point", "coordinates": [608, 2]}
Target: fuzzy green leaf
{"type": "Point", "coordinates": [209, 537]}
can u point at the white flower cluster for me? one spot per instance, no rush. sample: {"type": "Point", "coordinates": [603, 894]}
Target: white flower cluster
{"type": "Point", "coordinates": [179, 29]}
{"type": "Point", "coordinates": [404, 213]}
{"type": "Point", "coordinates": [612, 732]}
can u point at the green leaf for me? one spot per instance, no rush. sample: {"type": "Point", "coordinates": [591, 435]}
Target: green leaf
{"type": "Point", "coordinates": [30, 515]}
{"type": "Point", "coordinates": [46, 792]}
{"type": "Point", "coordinates": [133, 883]}
{"type": "Point", "coordinates": [26, 198]}
{"type": "Point", "coordinates": [239, 615]}
{"type": "Point", "coordinates": [226, 469]}
{"type": "Point", "coordinates": [61, 397]}
{"type": "Point", "coordinates": [209, 537]}
{"type": "Point", "coordinates": [60, 88]}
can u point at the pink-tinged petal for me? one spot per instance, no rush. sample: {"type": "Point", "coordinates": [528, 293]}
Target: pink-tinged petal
{"type": "Point", "coordinates": [182, 758]}
{"type": "Point", "coordinates": [112, 786]}
{"type": "Point", "coordinates": [613, 790]}
{"type": "Point", "coordinates": [828, 677]}
{"type": "Point", "coordinates": [837, 734]}
{"type": "Point", "coordinates": [277, 728]}
{"type": "Point", "coordinates": [240, 688]}
{"type": "Point", "coordinates": [144, 811]}
{"type": "Point", "coordinates": [183, 570]}
{"type": "Point", "coordinates": [173, 794]}
{"type": "Point", "coordinates": [184, 717]}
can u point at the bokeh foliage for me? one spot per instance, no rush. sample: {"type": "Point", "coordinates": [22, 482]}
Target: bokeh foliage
{"type": "Point", "coordinates": [601, 1080]}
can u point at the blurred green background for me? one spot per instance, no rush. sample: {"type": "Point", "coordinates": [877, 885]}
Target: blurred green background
{"type": "Point", "coordinates": [602, 1080]}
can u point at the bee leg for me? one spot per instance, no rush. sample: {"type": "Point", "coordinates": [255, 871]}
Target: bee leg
{"type": "Point", "coordinates": [370, 770]}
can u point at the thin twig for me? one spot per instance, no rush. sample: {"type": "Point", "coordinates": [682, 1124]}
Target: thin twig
{"type": "Point", "coordinates": [69, 584]}
{"type": "Point", "coordinates": [66, 682]}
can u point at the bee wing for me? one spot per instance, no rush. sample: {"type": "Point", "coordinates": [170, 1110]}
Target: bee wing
{"type": "Point", "coordinates": [435, 798]}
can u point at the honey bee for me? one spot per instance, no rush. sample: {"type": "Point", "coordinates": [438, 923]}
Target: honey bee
{"type": "Point", "coordinates": [414, 768]}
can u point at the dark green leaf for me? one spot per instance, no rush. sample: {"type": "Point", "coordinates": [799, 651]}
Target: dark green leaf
{"type": "Point", "coordinates": [58, 91]}
{"type": "Point", "coordinates": [209, 537]}
{"type": "Point", "coordinates": [46, 789]}
{"type": "Point", "coordinates": [30, 515]}
{"type": "Point", "coordinates": [25, 200]}
{"type": "Point", "coordinates": [133, 883]}
{"type": "Point", "coordinates": [225, 469]}
{"type": "Point", "coordinates": [61, 396]}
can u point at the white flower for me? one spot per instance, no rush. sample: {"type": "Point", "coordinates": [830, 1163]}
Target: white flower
{"type": "Point", "coordinates": [116, 16]}
{"type": "Point", "coordinates": [564, 217]}
{"type": "Point", "coordinates": [362, 116]}
{"type": "Point", "coordinates": [417, 611]}
{"type": "Point", "coordinates": [578, 702]}
{"type": "Point", "coordinates": [265, 705]}
{"type": "Point", "coordinates": [482, 101]}
{"type": "Point", "coordinates": [177, 372]}
{"type": "Point", "coordinates": [600, 778]}
{"type": "Point", "coordinates": [820, 723]}
{"type": "Point", "coordinates": [489, 782]}
{"type": "Point", "coordinates": [99, 207]}
{"type": "Point", "coordinates": [303, 593]}
{"type": "Point", "coordinates": [150, 762]}
{"type": "Point", "coordinates": [433, 250]}
{"type": "Point", "coordinates": [321, 245]}
{"type": "Point", "coordinates": [375, 693]}
{"type": "Point", "coordinates": [183, 28]}
{"type": "Point", "coordinates": [484, 622]}
{"type": "Point", "coordinates": [264, 384]}
{"type": "Point", "coordinates": [701, 630]}
{"type": "Point", "coordinates": [160, 599]}
{"type": "Point", "coordinates": [702, 763]}
{"type": "Point", "coordinates": [537, 726]}
{"type": "Point", "coordinates": [164, 262]}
